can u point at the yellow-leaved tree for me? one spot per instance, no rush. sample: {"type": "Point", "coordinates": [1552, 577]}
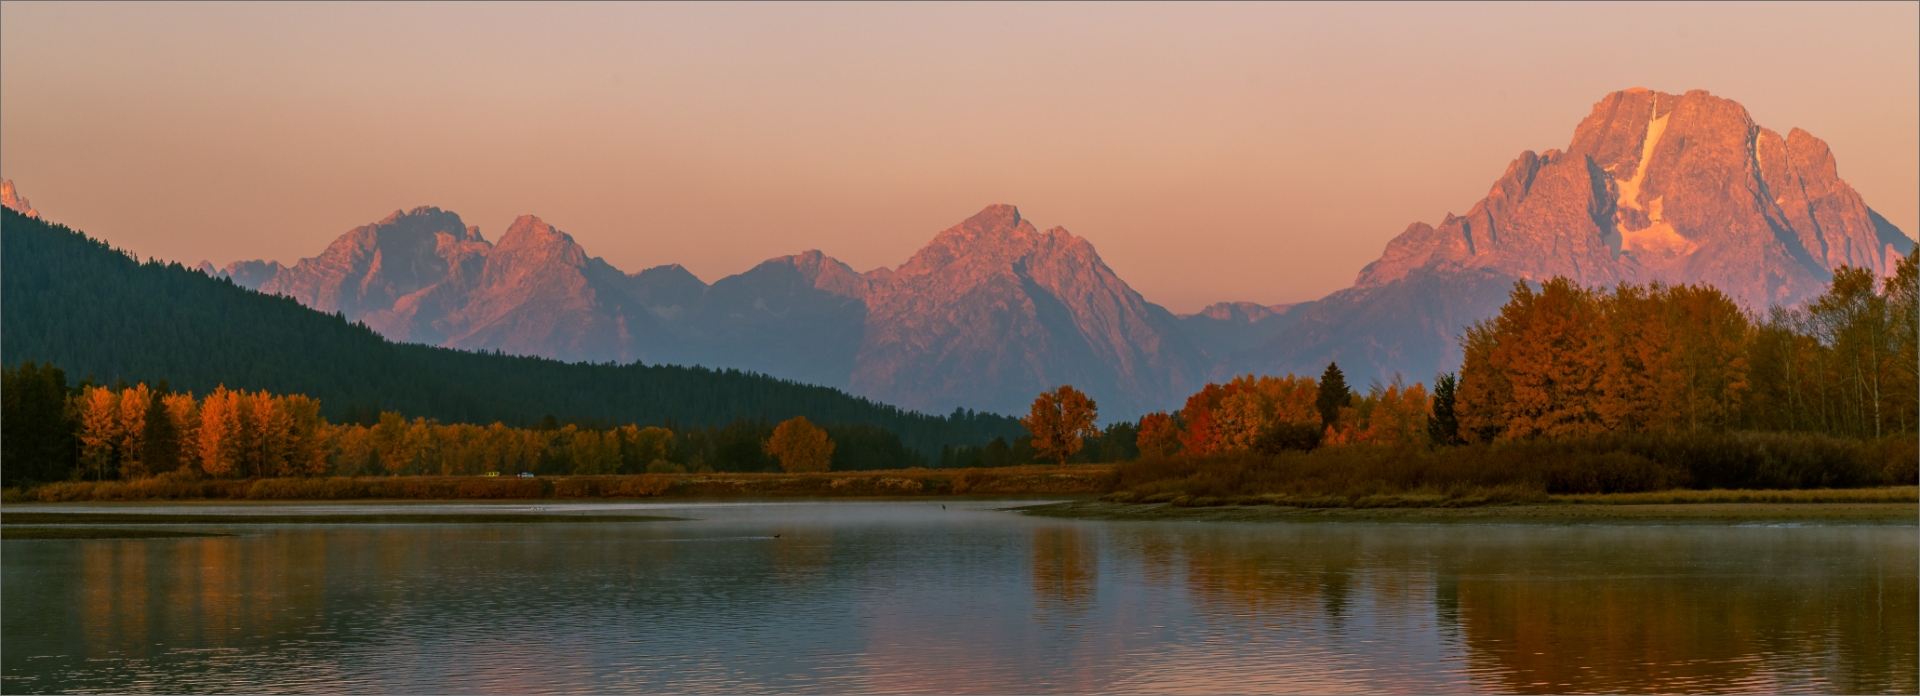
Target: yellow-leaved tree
{"type": "Point", "coordinates": [800, 446]}
{"type": "Point", "coordinates": [98, 411]}
{"type": "Point", "coordinates": [1059, 420]}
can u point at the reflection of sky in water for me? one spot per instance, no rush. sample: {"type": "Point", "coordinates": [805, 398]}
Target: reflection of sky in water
{"type": "Point", "coordinates": [909, 597]}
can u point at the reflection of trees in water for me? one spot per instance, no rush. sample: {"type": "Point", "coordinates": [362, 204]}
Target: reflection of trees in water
{"type": "Point", "coordinates": [1629, 617]}
{"type": "Point", "coordinates": [221, 584]}
{"type": "Point", "coordinates": [113, 596]}
{"type": "Point", "coordinates": [1065, 568]}
{"type": "Point", "coordinates": [1283, 573]}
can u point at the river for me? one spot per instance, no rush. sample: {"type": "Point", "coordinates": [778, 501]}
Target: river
{"type": "Point", "coordinates": [846, 596]}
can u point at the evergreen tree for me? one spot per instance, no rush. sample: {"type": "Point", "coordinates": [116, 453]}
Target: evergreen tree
{"type": "Point", "coordinates": [37, 442]}
{"type": "Point", "coordinates": [160, 441]}
{"type": "Point", "coordinates": [1334, 394]}
{"type": "Point", "coordinates": [1444, 426]}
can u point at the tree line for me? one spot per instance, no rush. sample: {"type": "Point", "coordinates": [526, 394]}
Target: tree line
{"type": "Point", "coordinates": [1560, 360]}
{"type": "Point", "coordinates": [54, 432]}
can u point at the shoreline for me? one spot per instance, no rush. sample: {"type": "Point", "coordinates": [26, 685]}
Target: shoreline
{"type": "Point", "coordinates": [14, 533]}
{"type": "Point", "coordinates": [1846, 513]}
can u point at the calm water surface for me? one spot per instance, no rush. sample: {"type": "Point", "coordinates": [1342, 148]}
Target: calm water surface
{"type": "Point", "coordinates": [899, 597]}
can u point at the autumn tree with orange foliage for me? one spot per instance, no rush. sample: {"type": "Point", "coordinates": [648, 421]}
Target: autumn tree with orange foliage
{"type": "Point", "coordinates": [1059, 420]}
{"type": "Point", "coordinates": [1159, 435]}
{"type": "Point", "coordinates": [801, 446]}
{"type": "Point", "coordinates": [1570, 361]}
{"type": "Point", "coordinates": [1398, 415]}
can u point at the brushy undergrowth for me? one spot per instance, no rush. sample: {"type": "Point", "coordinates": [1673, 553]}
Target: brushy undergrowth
{"type": "Point", "coordinates": [1521, 471]}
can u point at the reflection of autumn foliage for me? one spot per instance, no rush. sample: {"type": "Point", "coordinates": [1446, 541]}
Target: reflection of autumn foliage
{"type": "Point", "coordinates": [1065, 566]}
{"type": "Point", "coordinates": [1249, 577]}
{"type": "Point", "coordinates": [1643, 627]}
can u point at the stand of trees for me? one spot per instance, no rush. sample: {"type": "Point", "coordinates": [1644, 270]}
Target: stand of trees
{"type": "Point", "coordinates": [56, 433]}
{"type": "Point", "coordinates": [1562, 361]}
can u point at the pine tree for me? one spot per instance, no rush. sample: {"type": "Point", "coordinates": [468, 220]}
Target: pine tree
{"type": "Point", "coordinates": [1334, 394]}
{"type": "Point", "coordinates": [1443, 427]}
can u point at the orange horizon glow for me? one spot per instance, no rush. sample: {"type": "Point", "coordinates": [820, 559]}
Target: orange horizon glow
{"type": "Point", "coordinates": [1210, 153]}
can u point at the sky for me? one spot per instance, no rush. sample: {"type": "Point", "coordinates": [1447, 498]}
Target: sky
{"type": "Point", "coordinates": [1230, 152]}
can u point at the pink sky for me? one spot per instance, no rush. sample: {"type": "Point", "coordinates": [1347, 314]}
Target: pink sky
{"type": "Point", "coordinates": [1212, 152]}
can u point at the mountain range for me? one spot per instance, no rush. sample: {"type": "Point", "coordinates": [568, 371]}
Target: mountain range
{"type": "Point", "coordinates": [1653, 187]}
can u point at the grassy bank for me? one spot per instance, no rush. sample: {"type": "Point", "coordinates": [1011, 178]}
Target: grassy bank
{"type": "Point", "coordinates": [1083, 479]}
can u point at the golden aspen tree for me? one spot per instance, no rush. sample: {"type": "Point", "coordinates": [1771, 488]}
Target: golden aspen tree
{"type": "Point", "coordinates": [1059, 421]}
{"type": "Point", "coordinates": [100, 431]}
{"type": "Point", "coordinates": [305, 451]}
{"type": "Point", "coordinates": [1199, 434]}
{"type": "Point", "coordinates": [353, 451]}
{"type": "Point", "coordinates": [1159, 436]}
{"type": "Point", "coordinates": [1293, 399]}
{"type": "Point", "coordinates": [595, 453]}
{"type": "Point", "coordinates": [800, 446]}
{"type": "Point", "coordinates": [219, 423]}
{"type": "Point", "coordinates": [1636, 353]}
{"type": "Point", "coordinates": [134, 402]}
{"type": "Point", "coordinates": [501, 443]}
{"type": "Point", "coordinates": [650, 444]}
{"type": "Point", "coordinates": [391, 444]}
{"type": "Point", "coordinates": [1709, 357]}
{"type": "Point", "coordinates": [1553, 364]}
{"type": "Point", "coordinates": [1481, 399]}
{"type": "Point", "coordinates": [1398, 416]}
{"type": "Point", "coordinates": [273, 441]}
{"type": "Point", "coordinates": [1240, 417]}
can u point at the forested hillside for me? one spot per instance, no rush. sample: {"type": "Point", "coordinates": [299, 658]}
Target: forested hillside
{"type": "Point", "coordinates": [74, 302]}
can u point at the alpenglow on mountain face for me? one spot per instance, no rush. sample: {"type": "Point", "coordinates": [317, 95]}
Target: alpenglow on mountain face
{"type": "Point", "coordinates": [989, 314]}
{"type": "Point", "coordinates": [11, 198]}
{"type": "Point", "coordinates": [1653, 187]}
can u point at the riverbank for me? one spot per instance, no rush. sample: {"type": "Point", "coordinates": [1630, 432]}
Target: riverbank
{"type": "Point", "coordinates": [1872, 507]}
{"type": "Point", "coordinates": [11, 519]}
{"type": "Point", "coordinates": [1079, 479]}
{"type": "Point", "coordinates": [14, 533]}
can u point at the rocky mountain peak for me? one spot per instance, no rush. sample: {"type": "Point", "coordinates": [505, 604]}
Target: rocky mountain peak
{"type": "Point", "coordinates": [1239, 311]}
{"type": "Point", "coordinates": [1655, 186]}
{"type": "Point", "coordinates": [371, 267]}
{"type": "Point", "coordinates": [531, 251]}
{"type": "Point", "coordinates": [996, 232]}
{"type": "Point", "coordinates": [827, 273]}
{"type": "Point", "coordinates": [992, 308]}
{"type": "Point", "coordinates": [11, 198]}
